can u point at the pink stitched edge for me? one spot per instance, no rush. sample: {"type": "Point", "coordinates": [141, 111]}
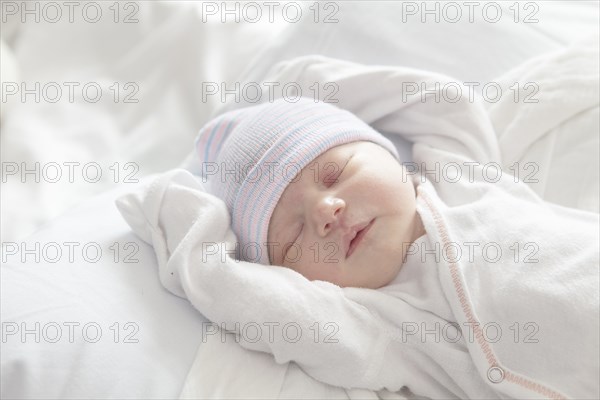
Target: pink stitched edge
{"type": "Point", "coordinates": [458, 286]}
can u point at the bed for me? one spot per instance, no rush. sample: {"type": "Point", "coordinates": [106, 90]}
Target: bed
{"type": "Point", "coordinates": [83, 312]}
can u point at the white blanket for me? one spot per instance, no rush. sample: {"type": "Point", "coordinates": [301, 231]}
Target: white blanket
{"type": "Point", "coordinates": [179, 220]}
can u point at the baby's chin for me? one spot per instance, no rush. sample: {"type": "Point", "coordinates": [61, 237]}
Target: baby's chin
{"type": "Point", "coordinates": [380, 271]}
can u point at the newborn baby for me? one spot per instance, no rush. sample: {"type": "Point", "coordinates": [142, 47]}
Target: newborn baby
{"type": "Point", "coordinates": [313, 236]}
{"type": "Point", "coordinates": [335, 204]}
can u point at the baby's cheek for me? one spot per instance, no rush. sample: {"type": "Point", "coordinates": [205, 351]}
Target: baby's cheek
{"type": "Point", "coordinates": [378, 184]}
{"type": "Point", "coordinates": [316, 262]}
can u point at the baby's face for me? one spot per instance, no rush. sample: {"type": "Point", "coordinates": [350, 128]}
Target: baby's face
{"type": "Point", "coordinates": [345, 217]}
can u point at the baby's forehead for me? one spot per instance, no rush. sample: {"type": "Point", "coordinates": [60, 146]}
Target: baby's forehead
{"type": "Point", "coordinates": [341, 149]}
{"type": "Point", "coordinates": [341, 152]}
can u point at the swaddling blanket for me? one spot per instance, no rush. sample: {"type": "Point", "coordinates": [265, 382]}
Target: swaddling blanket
{"type": "Point", "coordinates": [499, 299]}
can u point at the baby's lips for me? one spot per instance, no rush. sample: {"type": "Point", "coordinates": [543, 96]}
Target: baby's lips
{"type": "Point", "coordinates": [354, 231]}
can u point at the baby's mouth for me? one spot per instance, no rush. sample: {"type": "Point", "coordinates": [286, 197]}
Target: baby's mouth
{"type": "Point", "coordinates": [357, 234]}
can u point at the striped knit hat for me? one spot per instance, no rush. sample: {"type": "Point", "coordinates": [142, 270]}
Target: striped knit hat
{"type": "Point", "coordinates": [250, 155]}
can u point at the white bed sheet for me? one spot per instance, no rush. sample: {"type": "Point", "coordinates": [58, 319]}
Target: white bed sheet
{"type": "Point", "coordinates": [166, 56]}
{"type": "Point", "coordinates": [149, 358]}
{"type": "Point", "coordinates": [170, 54]}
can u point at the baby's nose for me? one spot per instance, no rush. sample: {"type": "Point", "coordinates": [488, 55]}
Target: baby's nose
{"type": "Point", "coordinates": [329, 214]}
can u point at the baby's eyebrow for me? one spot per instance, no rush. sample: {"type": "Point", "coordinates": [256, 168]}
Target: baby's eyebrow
{"type": "Point", "coordinates": [348, 160]}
